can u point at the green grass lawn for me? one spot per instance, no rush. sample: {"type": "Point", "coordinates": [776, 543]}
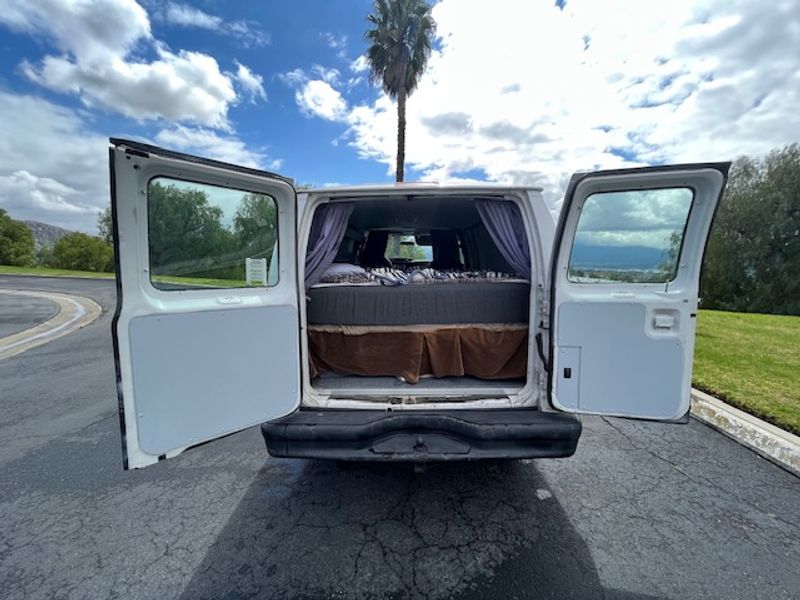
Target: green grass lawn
{"type": "Point", "coordinates": [46, 272]}
{"type": "Point", "coordinates": [752, 362]}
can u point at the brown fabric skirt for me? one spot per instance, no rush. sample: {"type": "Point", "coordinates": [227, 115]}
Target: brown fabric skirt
{"type": "Point", "coordinates": [482, 351]}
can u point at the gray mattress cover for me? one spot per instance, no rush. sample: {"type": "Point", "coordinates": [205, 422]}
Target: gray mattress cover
{"type": "Point", "coordinates": [436, 303]}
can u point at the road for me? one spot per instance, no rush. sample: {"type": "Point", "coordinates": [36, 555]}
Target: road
{"type": "Point", "coordinates": [16, 316]}
{"type": "Point", "coordinates": [641, 511]}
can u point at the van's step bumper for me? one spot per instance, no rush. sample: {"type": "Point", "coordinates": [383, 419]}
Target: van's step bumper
{"type": "Point", "coordinates": [413, 435]}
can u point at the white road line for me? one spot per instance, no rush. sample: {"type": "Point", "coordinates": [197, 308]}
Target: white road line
{"type": "Point", "coordinates": [74, 312]}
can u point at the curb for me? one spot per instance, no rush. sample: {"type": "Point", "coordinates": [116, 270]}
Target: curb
{"type": "Point", "coordinates": [766, 440]}
{"type": "Point", "coordinates": [74, 313]}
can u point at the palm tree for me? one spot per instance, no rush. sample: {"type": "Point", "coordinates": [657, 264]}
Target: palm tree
{"type": "Point", "coordinates": [400, 43]}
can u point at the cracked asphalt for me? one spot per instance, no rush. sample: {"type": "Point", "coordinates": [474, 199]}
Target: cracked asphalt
{"type": "Point", "coordinates": [641, 511]}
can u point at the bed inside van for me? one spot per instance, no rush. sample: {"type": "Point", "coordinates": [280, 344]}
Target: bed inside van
{"type": "Point", "coordinates": [415, 294]}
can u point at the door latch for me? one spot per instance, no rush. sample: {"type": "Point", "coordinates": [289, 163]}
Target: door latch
{"type": "Point", "coordinates": [663, 321]}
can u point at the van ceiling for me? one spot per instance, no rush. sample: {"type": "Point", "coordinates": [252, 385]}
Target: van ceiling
{"type": "Point", "coordinates": [410, 212]}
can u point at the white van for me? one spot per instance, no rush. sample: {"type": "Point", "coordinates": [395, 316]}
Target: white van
{"type": "Point", "coordinates": [413, 322]}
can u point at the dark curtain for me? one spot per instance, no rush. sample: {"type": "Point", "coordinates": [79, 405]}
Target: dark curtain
{"type": "Point", "coordinates": [445, 249]}
{"type": "Point", "coordinates": [374, 252]}
{"type": "Point", "coordinates": [327, 231]}
{"type": "Point", "coordinates": [503, 221]}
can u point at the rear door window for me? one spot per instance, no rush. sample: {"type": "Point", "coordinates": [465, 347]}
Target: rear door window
{"type": "Point", "coordinates": [203, 236]}
{"type": "Point", "coordinates": [630, 236]}
{"type": "Point", "coordinates": [409, 248]}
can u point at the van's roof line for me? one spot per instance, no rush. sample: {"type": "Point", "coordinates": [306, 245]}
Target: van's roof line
{"type": "Point", "coordinates": [417, 186]}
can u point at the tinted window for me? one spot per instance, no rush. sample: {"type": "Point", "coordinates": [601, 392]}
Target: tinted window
{"type": "Point", "coordinates": [632, 236]}
{"type": "Point", "coordinates": [201, 236]}
{"type": "Point", "coordinates": [402, 246]}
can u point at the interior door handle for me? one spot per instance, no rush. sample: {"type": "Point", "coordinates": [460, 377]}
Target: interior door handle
{"type": "Point", "coordinates": [663, 321]}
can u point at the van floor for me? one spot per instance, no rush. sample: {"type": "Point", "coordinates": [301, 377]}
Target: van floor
{"type": "Point", "coordinates": [355, 382]}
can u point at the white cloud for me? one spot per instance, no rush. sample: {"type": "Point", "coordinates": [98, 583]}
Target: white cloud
{"type": "Point", "coordinates": [327, 75]}
{"type": "Point", "coordinates": [251, 83]}
{"type": "Point", "coordinates": [98, 63]}
{"type": "Point", "coordinates": [360, 65]}
{"type": "Point", "coordinates": [53, 168]}
{"type": "Point", "coordinates": [187, 86]}
{"type": "Point", "coordinates": [183, 15]}
{"type": "Point", "coordinates": [247, 33]}
{"type": "Point", "coordinates": [294, 78]}
{"type": "Point", "coordinates": [28, 196]}
{"type": "Point", "coordinates": [89, 31]}
{"type": "Point", "coordinates": [597, 85]}
{"type": "Point", "coordinates": [353, 82]}
{"type": "Point", "coordinates": [208, 143]}
{"type": "Point", "coordinates": [337, 42]}
{"type": "Point", "coordinates": [317, 97]}
{"type": "Point", "coordinates": [189, 16]}
{"type": "Point", "coordinates": [320, 99]}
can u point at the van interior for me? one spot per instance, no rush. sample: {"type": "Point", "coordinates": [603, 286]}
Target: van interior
{"type": "Point", "coordinates": [416, 294]}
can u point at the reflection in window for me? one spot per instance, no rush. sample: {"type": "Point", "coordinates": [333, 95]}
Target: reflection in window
{"type": "Point", "coordinates": [201, 236]}
{"type": "Point", "coordinates": [632, 236]}
{"type": "Point", "coordinates": [408, 247]}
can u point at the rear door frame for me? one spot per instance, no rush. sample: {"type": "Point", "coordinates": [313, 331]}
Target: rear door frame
{"type": "Point", "coordinates": [569, 199]}
{"type": "Point", "coordinates": [246, 298]}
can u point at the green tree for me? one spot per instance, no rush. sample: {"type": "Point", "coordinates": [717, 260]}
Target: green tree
{"type": "Point", "coordinates": [83, 252]}
{"type": "Point", "coordinates": [396, 248]}
{"type": "Point", "coordinates": [400, 42]}
{"type": "Point", "coordinates": [187, 237]}
{"type": "Point", "coordinates": [669, 259]}
{"type": "Point", "coordinates": [17, 246]}
{"type": "Point", "coordinates": [753, 258]}
{"type": "Point", "coordinates": [105, 226]}
{"type": "Point", "coordinates": [256, 224]}
{"type": "Point", "coordinates": [45, 257]}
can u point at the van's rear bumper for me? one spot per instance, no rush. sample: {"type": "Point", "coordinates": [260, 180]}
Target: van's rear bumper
{"type": "Point", "coordinates": [422, 436]}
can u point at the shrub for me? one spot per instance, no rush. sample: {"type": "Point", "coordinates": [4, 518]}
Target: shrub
{"type": "Point", "coordinates": [83, 252]}
{"type": "Point", "coordinates": [16, 242]}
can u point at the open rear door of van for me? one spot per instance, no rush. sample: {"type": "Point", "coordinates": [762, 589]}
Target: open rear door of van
{"type": "Point", "coordinates": [206, 331]}
{"type": "Point", "coordinates": [624, 289]}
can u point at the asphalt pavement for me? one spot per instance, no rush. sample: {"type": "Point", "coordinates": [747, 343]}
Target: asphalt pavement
{"type": "Point", "coordinates": [18, 314]}
{"type": "Point", "coordinates": [642, 511]}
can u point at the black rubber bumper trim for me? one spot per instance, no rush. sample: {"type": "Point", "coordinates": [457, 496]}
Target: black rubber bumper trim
{"type": "Point", "coordinates": [422, 435]}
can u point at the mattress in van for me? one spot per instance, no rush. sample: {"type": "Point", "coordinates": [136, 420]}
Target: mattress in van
{"type": "Point", "coordinates": [500, 301]}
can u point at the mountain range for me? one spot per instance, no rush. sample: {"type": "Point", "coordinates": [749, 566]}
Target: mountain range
{"type": "Point", "coordinates": [44, 234]}
{"type": "Point", "coordinates": [595, 256]}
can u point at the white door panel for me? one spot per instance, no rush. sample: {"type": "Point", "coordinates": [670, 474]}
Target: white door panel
{"type": "Point", "coordinates": [173, 404]}
{"type": "Point", "coordinates": [617, 370]}
{"type": "Point", "coordinates": [625, 282]}
{"type": "Point", "coordinates": [198, 357]}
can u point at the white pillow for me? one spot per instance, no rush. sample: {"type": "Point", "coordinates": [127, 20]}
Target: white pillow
{"type": "Point", "coordinates": [344, 269]}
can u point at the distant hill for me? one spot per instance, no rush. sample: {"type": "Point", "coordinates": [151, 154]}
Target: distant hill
{"type": "Point", "coordinates": [44, 234]}
{"type": "Point", "coordinates": [589, 256]}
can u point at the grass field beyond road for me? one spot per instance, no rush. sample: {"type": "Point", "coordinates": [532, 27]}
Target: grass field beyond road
{"type": "Point", "coordinates": [47, 272]}
{"type": "Point", "coordinates": [751, 361]}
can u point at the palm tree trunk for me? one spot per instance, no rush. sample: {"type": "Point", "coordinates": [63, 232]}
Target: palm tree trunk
{"type": "Point", "coordinates": [401, 135]}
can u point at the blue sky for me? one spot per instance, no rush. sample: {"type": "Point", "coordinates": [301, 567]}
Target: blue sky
{"type": "Point", "coordinates": [516, 91]}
